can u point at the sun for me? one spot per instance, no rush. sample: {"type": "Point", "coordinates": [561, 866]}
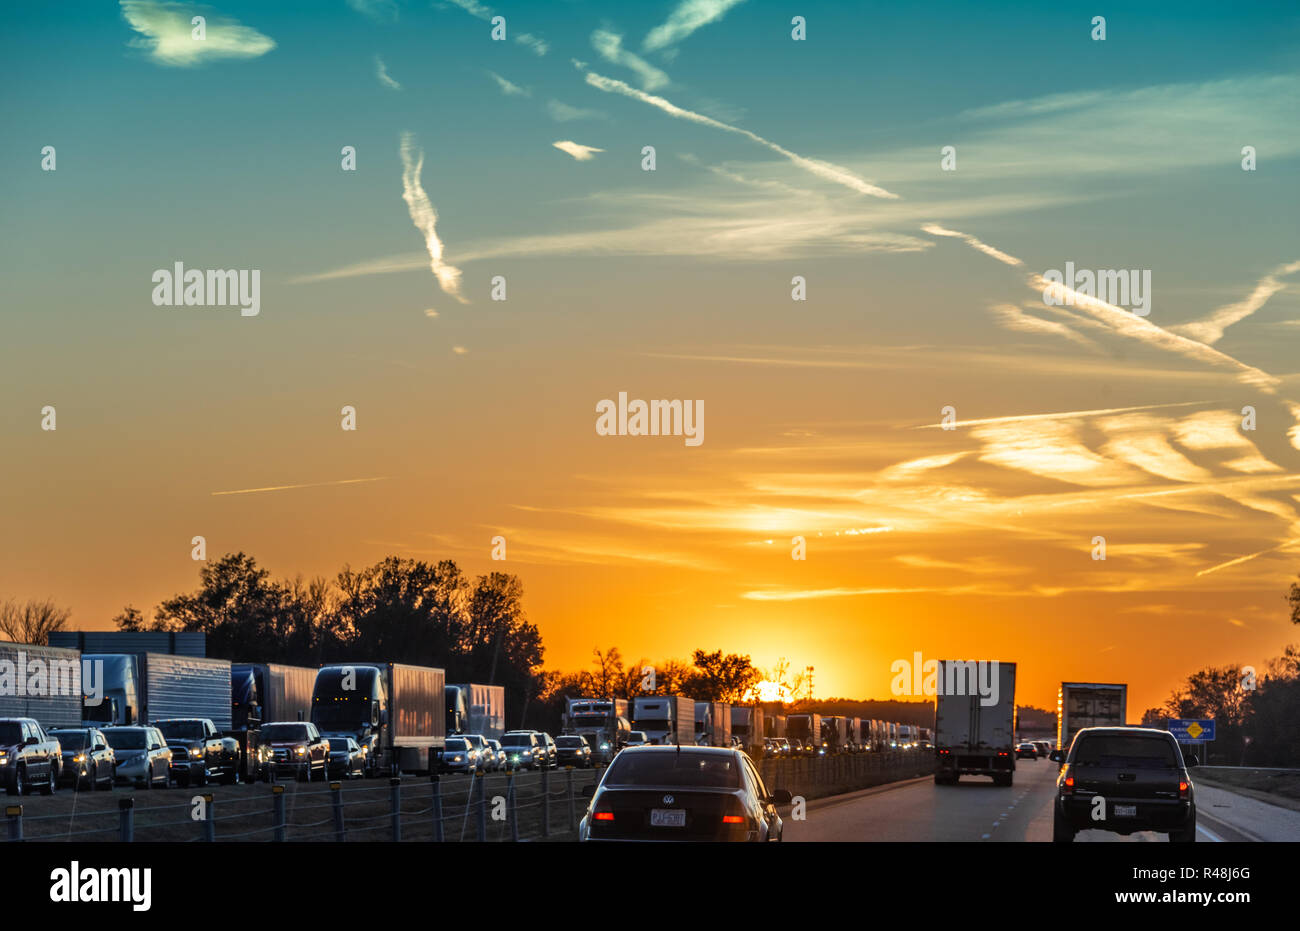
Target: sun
{"type": "Point", "coordinates": [771, 691]}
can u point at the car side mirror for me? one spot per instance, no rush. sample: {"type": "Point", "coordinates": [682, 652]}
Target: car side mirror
{"type": "Point", "coordinates": [781, 797]}
{"type": "Point", "coordinates": [1191, 760]}
{"type": "Point", "coordinates": [31, 740]}
{"type": "Point", "coordinates": [588, 791]}
{"type": "Point", "coordinates": [1057, 756]}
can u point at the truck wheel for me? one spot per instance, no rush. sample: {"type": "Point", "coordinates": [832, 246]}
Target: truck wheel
{"type": "Point", "coordinates": [1062, 830]}
{"type": "Point", "coordinates": [20, 782]}
{"type": "Point", "coordinates": [51, 782]}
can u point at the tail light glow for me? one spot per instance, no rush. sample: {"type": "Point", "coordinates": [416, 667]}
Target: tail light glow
{"type": "Point", "coordinates": [733, 819]}
{"type": "Point", "coordinates": [603, 816]}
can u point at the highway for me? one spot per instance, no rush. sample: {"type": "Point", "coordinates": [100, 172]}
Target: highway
{"type": "Point", "coordinates": [977, 810]}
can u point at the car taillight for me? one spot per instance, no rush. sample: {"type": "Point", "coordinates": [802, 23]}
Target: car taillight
{"type": "Point", "coordinates": [1183, 787]}
{"type": "Point", "coordinates": [603, 816]}
{"type": "Point", "coordinates": [733, 819]}
{"type": "Point", "coordinates": [1067, 784]}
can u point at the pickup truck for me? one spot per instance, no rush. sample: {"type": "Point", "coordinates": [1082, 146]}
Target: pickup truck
{"type": "Point", "coordinates": [199, 751]}
{"type": "Point", "coordinates": [297, 747]}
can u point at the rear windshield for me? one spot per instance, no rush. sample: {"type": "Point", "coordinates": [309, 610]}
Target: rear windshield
{"type": "Point", "coordinates": [338, 743]}
{"type": "Point", "coordinates": [1137, 752]}
{"type": "Point", "coordinates": [685, 768]}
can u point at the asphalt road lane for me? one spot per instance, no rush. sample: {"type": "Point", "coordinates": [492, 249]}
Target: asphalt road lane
{"type": "Point", "coordinates": [976, 810]}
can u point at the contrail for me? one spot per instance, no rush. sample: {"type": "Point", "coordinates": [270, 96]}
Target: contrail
{"type": "Point", "coordinates": [1061, 415]}
{"type": "Point", "coordinates": [822, 169]}
{"type": "Point", "coordinates": [344, 481]}
{"type": "Point", "coordinates": [425, 218]}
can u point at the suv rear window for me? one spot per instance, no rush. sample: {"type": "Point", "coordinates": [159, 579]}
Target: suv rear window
{"type": "Point", "coordinates": [1117, 751]}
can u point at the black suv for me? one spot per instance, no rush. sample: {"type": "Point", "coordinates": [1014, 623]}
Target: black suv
{"type": "Point", "coordinates": [1124, 779]}
{"type": "Point", "coordinates": [28, 757]}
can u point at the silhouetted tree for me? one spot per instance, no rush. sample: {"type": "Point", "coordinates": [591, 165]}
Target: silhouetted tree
{"type": "Point", "coordinates": [32, 621]}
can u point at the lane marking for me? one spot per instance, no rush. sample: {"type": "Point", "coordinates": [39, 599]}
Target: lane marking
{"type": "Point", "coordinates": [1208, 833]}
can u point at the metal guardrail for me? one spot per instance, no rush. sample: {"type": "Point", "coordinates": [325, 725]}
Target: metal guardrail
{"type": "Point", "coordinates": [528, 806]}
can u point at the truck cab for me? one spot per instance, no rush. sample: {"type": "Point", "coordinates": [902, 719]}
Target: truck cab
{"type": "Point", "coordinates": [351, 700]}
{"type": "Point", "coordinates": [199, 751]}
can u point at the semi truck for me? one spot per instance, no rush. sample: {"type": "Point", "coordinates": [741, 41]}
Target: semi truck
{"type": "Point", "coordinates": [45, 683]}
{"type": "Point", "coordinates": [603, 721]}
{"type": "Point", "coordinates": [395, 711]}
{"type": "Point", "coordinates": [140, 688]}
{"type": "Point", "coordinates": [1088, 704]}
{"type": "Point", "coordinates": [713, 724]}
{"type": "Point", "coordinates": [975, 721]}
{"type": "Point", "coordinates": [750, 725]}
{"type": "Point", "coordinates": [908, 736]}
{"type": "Point", "coordinates": [834, 731]}
{"type": "Point", "coordinates": [775, 725]}
{"type": "Point", "coordinates": [805, 727]}
{"type": "Point", "coordinates": [485, 708]}
{"type": "Point", "coordinates": [665, 719]}
{"type": "Point", "coordinates": [264, 693]}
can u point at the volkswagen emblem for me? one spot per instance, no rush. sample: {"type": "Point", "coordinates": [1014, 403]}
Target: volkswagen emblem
{"type": "Point", "coordinates": [668, 799]}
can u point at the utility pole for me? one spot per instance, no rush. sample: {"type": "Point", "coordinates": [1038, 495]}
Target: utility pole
{"type": "Point", "coordinates": [809, 670]}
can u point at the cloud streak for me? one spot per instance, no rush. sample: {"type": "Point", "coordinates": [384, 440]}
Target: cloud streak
{"type": "Point", "coordinates": [425, 218]}
{"type": "Point", "coordinates": [381, 72]}
{"type": "Point", "coordinates": [344, 481]}
{"type": "Point", "coordinates": [1210, 330]}
{"type": "Point", "coordinates": [689, 16]}
{"type": "Point", "coordinates": [824, 170]}
{"type": "Point", "coordinates": [583, 153]}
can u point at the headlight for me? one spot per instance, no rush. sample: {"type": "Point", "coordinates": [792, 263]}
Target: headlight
{"type": "Point", "coordinates": [604, 746]}
{"type": "Point", "coordinates": [196, 752]}
{"type": "Point", "coordinates": [79, 758]}
{"type": "Point", "coordinates": [301, 751]}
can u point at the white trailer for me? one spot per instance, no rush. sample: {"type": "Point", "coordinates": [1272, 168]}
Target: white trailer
{"type": "Point", "coordinates": [975, 721]}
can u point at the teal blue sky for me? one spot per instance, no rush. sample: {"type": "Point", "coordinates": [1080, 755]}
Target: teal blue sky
{"type": "Point", "coordinates": [775, 158]}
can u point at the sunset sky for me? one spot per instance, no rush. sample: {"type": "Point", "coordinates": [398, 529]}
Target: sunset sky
{"type": "Point", "coordinates": [774, 159]}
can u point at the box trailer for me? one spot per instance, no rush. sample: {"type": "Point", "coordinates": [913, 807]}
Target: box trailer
{"type": "Point", "coordinates": [712, 724]}
{"type": "Point", "coordinates": [775, 725]}
{"type": "Point", "coordinates": [397, 712]}
{"type": "Point", "coordinates": [1088, 704]}
{"type": "Point", "coordinates": [805, 727]}
{"type": "Point", "coordinates": [975, 721]}
{"type": "Point", "coordinates": [665, 719]}
{"type": "Point", "coordinates": [140, 688]}
{"type": "Point", "coordinates": [265, 692]}
{"type": "Point", "coordinates": [486, 709]}
{"type": "Point", "coordinates": [41, 682]}
{"type": "Point", "coordinates": [750, 725]}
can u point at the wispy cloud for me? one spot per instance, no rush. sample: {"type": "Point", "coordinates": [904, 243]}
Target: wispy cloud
{"type": "Point", "coordinates": [384, 11]}
{"type": "Point", "coordinates": [344, 481]}
{"type": "Point", "coordinates": [583, 153]}
{"type": "Point", "coordinates": [1013, 318]}
{"type": "Point", "coordinates": [1061, 415]}
{"type": "Point", "coordinates": [425, 218]}
{"type": "Point", "coordinates": [935, 230]}
{"type": "Point", "coordinates": [689, 16]}
{"type": "Point", "coordinates": [609, 45]}
{"type": "Point", "coordinates": [538, 46]}
{"type": "Point", "coordinates": [1210, 330]}
{"type": "Point", "coordinates": [806, 594]}
{"type": "Point", "coordinates": [169, 34]}
{"type": "Point", "coordinates": [563, 113]}
{"type": "Point", "coordinates": [381, 72]}
{"type": "Point", "coordinates": [509, 88]}
{"type": "Point", "coordinates": [823, 170]}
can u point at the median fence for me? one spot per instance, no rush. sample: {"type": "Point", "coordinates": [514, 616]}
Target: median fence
{"type": "Point", "coordinates": [820, 776]}
{"type": "Point", "coordinates": [529, 806]}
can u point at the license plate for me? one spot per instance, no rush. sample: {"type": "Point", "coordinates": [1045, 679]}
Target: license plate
{"type": "Point", "coordinates": [667, 818]}
{"type": "Point", "coordinates": [1126, 811]}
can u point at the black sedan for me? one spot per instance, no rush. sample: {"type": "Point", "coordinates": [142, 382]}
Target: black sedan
{"type": "Point", "coordinates": [670, 793]}
{"type": "Point", "coordinates": [1124, 779]}
{"type": "Point", "coordinates": [88, 760]}
{"type": "Point", "coordinates": [573, 750]}
{"type": "Point", "coordinates": [1026, 750]}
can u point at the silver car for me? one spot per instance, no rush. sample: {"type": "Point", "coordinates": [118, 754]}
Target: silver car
{"type": "Point", "coordinates": [502, 762]}
{"type": "Point", "coordinates": [486, 756]}
{"type": "Point", "coordinates": [143, 757]}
